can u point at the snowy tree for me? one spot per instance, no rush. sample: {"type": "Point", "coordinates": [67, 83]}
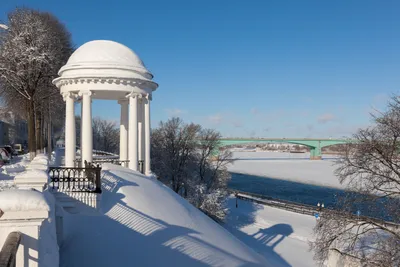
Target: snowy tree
{"type": "Point", "coordinates": [186, 158]}
{"type": "Point", "coordinates": [32, 49]}
{"type": "Point", "coordinates": [371, 168]}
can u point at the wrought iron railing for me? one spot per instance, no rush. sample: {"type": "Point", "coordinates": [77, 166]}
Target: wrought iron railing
{"type": "Point", "coordinates": [8, 253]}
{"type": "Point", "coordinates": [76, 179]}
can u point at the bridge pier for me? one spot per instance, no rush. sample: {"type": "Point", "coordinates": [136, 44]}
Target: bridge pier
{"type": "Point", "coordinates": [315, 153]}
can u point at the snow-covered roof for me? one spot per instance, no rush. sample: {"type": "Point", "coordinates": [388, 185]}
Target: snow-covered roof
{"type": "Point", "coordinates": [106, 54]}
{"type": "Point", "coordinates": [144, 223]}
{"type": "Point", "coordinates": [109, 67]}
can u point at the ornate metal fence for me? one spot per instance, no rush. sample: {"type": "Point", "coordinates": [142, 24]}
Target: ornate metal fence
{"type": "Point", "coordinates": [76, 179]}
{"type": "Point", "coordinates": [9, 251]}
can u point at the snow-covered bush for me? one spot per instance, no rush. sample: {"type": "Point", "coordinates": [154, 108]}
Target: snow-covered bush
{"type": "Point", "coordinates": [186, 158]}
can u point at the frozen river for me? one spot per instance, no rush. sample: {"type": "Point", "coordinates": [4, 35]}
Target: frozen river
{"type": "Point", "coordinates": [295, 179]}
{"type": "Point", "coordinates": [287, 166]}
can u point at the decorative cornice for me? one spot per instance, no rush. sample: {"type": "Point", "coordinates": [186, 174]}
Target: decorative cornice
{"type": "Point", "coordinates": [61, 81]}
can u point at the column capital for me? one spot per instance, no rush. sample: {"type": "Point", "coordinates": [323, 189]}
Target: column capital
{"type": "Point", "coordinates": [85, 92]}
{"type": "Point", "coordinates": [123, 101]}
{"type": "Point", "coordinates": [149, 97]}
{"type": "Point", "coordinates": [67, 95]}
{"type": "Point", "coordinates": [134, 94]}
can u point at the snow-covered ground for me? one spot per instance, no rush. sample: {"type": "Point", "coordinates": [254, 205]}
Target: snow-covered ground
{"type": "Point", "coordinates": [286, 166]}
{"type": "Point", "coordinates": [280, 236]}
{"type": "Point", "coordinates": [8, 172]}
{"type": "Point", "coordinates": [144, 223]}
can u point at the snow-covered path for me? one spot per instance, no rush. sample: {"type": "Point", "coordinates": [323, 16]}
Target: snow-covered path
{"type": "Point", "coordinates": [292, 167]}
{"type": "Point", "coordinates": [280, 236]}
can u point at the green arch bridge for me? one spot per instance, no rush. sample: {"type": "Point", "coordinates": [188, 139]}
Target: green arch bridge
{"type": "Point", "coordinates": [315, 144]}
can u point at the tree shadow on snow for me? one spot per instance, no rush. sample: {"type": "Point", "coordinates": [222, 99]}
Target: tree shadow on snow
{"type": "Point", "coordinates": [124, 236]}
{"type": "Point", "coordinates": [265, 240]}
{"type": "Point", "coordinates": [242, 215]}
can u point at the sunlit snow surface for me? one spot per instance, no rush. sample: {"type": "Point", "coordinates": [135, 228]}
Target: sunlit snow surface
{"type": "Point", "coordinates": [280, 236]}
{"type": "Point", "coordinates": [287, 166]}
{"type": "Point", "coordinates": [144, 223]}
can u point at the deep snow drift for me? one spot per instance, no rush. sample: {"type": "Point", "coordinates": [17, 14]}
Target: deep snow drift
{"type": "Point", "coordinates": [280, 236]}
{"type": "Point", "coordinates": [144, 223]}
{"type": "Point", "coordinates": [286, 166]}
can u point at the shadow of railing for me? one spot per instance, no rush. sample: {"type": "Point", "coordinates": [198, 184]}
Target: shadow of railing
{"type": "Point", "coordinates": [138, 237]}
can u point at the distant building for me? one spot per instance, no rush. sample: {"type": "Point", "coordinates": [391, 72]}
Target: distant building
{"type": "Point", "coordinates": [13, 130]}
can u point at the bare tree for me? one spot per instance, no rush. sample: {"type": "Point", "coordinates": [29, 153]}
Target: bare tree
{"type": "Point", "coordinates": [32, 49]}
{"type": "Point", "coordinates": [371, 170]}
{"type": "Point", "coordinates": [105, 135]}
{"type": "Point", "coordinates": [211, 191]}
{"type": "Point", "coordinates": [173, 143]}
{"type": "Point", "coordinates": [186, 158]}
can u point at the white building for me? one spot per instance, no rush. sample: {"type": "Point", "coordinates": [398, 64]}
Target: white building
{"type": "Point", "coordinates": [13, 130]}
{"type": "Point", "coordinates": [108, 70]}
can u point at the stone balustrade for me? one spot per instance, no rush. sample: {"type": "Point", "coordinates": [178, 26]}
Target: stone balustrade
{"type": "Point", "coordinates": [32, 214]}
{"type": "Point", "coordinates": [35, 176]}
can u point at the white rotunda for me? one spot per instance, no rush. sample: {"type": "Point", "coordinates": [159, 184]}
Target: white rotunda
{"type": "Point", "coordinates": [108, 70]}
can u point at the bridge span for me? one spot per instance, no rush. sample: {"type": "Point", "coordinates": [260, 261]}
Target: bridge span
{"type": "Point", "coordinates": [315, 144]}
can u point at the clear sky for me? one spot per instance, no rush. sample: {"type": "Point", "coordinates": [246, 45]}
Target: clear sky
{"type": "Point", "coordinates": [251, 68]}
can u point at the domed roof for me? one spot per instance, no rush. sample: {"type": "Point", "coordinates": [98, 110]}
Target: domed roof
{"type": "Point", "coordinates": [102, 51]}
{"type": "Point", "coordinates": [106, 54]}
{"type": "Point", "coordinates": [108, 68]}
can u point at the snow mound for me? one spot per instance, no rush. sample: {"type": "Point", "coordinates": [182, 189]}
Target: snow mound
{"type": "Point", "coordinates": [145, 223]}
{"type": "Point", "coordinates": [41, 156]}
{"type": "Point", "coordinates": [43, 161]}
{"type": "Point", "coordinates": [34, 173]}
{"type": "Point", "coordinates": [13, 168]}
{"type": "Point", "coordinates": [6, 184]}
{"type": "Point", "coordinates": [23, 200]}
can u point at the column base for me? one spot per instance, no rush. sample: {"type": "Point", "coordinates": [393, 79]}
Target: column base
{"type": "Point", "coordinates": [316, 157]}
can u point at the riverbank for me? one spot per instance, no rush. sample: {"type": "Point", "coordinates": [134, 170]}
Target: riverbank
{"type": "Point", "coordinates": [280, 236]}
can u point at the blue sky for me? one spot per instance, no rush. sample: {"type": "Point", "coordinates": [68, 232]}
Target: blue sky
{"type": "Point", "coordinates": [251, 68]}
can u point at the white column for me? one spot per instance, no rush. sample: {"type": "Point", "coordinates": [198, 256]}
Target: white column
{"type": "Point", "coordinates": [142, 132]}
{"type": "Point", "coordinates": [70, 138]}
{"type": "Point", "coordinates": [123, 136]}
{"type": "Point", "coordinates": [87, 130]}
{"type": "Point", "coordinates": [147, 135]}
{"type": "Point", "coordinates": [133, 132]}
{"type": "Point", "coordinates": [81, 129]}
{"type": "Point", "coordinates": [140, 129]}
